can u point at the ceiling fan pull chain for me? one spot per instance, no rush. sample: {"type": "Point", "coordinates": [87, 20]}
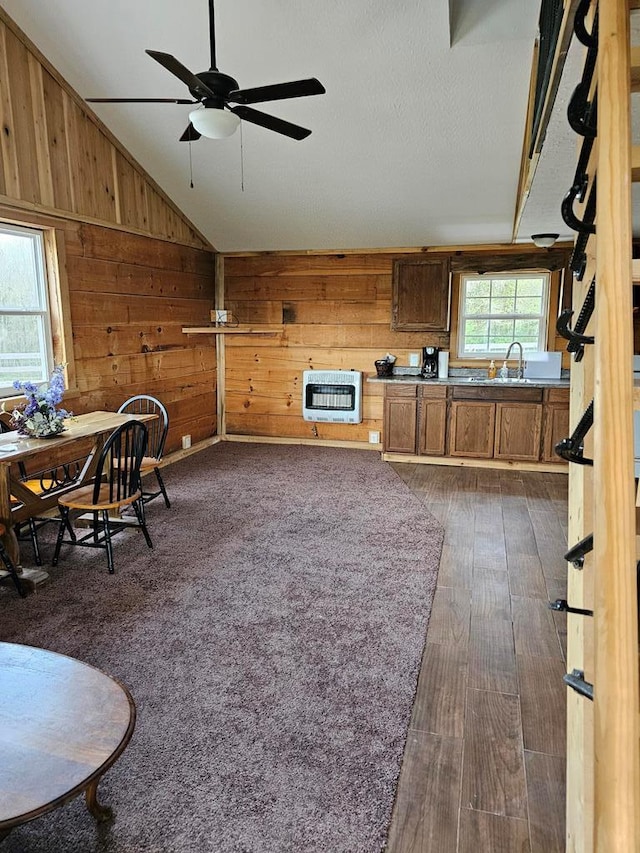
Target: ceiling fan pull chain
{"type": "Point", "coordinates": [241, 159]}
{"type": "Point", "coordinates": [190, 167]}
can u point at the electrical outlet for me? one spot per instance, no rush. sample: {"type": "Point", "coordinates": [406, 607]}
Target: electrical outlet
{"type": "Point", "coordinates": [414, 359]}
{"type": "Point", "coordinates": [221, 315]}
{"type": "Point", "coordinates": [374, 437]}
{"type": "Point", "coordinates": [186, 442]}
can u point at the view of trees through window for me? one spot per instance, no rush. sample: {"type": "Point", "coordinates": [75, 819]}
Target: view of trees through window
{"type": "Point", "coordinates": [25, 333]}
{"type": "Point", "coordinates": [496, 310]}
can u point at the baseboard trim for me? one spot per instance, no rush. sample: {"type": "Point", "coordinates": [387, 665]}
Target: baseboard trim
{"type": "Point", "coordinates": [459, 462]}
{"type": "Point", "coordinates": [321, 442]}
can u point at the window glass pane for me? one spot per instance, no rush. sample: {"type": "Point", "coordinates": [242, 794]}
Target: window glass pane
{"type": "Point", "coordinates": [478, 287]}
{"type": "Point", "coordinates": [19, 278]}
{"type": "Point", "coordinates": [478, 306]}
{"type": "Point", "coordinates": [477, 328]}
{"type": "Point", "coordinates": [529, 305]}
{"type": "Point", "coordinates": [503, 306]}
{"type": "Point", "coordinates": [503, 287]}
{"type": "Point", "coordinates": [501, 332]}
{"type": "Point", "coordinates": [22, 354]}
{"type": "Point", "coordinates": [530, 287]}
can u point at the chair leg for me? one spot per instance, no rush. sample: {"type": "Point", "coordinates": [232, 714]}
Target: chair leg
{"type": "Point", "coordinates": [34, 542]}
{"type": "Point", "coordinates": [64, 522]}
{"type": "Point", "coordinates": [138, 507]}
{"type": "Point", "coordinates": [107, 540]}
{"type": "Point", "coordinates": [162, 488]}
{"type": "Point", "coordinates": [15, 577]}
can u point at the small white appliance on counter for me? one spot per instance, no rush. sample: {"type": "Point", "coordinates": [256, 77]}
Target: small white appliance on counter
{"type": "Point", "coordinates": [332, 396]}
{"type": "Point", "coordinates": [542, 365]}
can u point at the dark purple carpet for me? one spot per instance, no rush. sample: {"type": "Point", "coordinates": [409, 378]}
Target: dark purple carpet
{"type": "Point", "coordinates": [271, 641]}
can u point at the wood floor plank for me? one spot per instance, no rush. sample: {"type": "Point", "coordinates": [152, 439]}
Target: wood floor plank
{"type": "Point", "coordinates": [488, 833]}
{"type": "Point", "coordinates": [441, 693]}
{"type": "Point", "coordinates": [450, 614]}
{"type": "Point", "coordinates": [546, 787]}
{"type": "Point", "coordinates": [490, 597]}
{"type": "Point", "coordinates": [492, 657]}
{"type": "Point", "coordinates": [542, 704]}
{"type": "Point", "coordinates": [525, 576]}
{"type": "Point", "coordinates": [493, 777]}
{"type": "Point", "coordinates": [456, 566]}
{"type": "Point", "coordinates": [425, 814]}
{"type": "Point", "coordinates": [534, 629]}
{"type": "Point", "coordinates": [518, 531]}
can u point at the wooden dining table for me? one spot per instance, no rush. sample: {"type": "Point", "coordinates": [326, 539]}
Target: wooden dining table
{"type": "Point", "coordinates": [54, 465]}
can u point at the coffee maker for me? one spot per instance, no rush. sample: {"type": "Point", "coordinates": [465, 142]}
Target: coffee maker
{"type": "Point", "coordinates": [429, 362]}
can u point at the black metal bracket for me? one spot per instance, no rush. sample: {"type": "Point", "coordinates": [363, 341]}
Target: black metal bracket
{"type": "Point", "coordinates": [588, 39]}
{"type": "Point", "coordinates": [572, 448]}
{"type": "Point", "coordinates": [575, 680]}
{"type": "Point", "coordinates": [562, 605]}
{"type": "Point", "coordinates": [575, 336]}
{"type": "Point", "coordinates": [577, 554]}
{"type": "Point", "coordinates": [582, 226]}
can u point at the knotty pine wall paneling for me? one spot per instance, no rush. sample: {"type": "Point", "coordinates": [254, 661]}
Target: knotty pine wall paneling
{"type": "Point", "coordinates": [336, 311]}
{"type": "Point", "coordinates": [136, 270]}
{"type": "Point", "coordinates": [130, 296]}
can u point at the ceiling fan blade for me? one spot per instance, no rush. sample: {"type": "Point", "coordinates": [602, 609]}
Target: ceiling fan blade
{"type": "Point", "coordinates": [277, 92]}
{"type": "Point", "coordinates": [182, 73]}
{"type": "Point", "coordinates": [190, 134]}
{"type": "Point", "coordinates": [140, 101]}
{"type": "Point", "coordinates": [271, 122]}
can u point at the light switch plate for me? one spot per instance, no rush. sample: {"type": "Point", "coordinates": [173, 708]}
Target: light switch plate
{"type": "Point", "coordinates": [221, 315]}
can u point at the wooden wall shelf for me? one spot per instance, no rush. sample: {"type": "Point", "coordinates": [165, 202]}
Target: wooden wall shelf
{"type": "Point", "coordinates": [232, 330]}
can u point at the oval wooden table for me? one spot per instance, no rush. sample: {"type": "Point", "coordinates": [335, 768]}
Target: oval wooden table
{"type": "Point", "coordinates": [63, 723]}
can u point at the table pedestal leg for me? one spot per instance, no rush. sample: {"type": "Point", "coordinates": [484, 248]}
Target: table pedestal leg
{"type": "Point", "coordinates": [10, 539]}
{"type": "Point", "coordinates": [100, 812]}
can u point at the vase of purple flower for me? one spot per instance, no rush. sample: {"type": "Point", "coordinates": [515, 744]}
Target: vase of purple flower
{"type": "Point", "coordinates": [39, 417]}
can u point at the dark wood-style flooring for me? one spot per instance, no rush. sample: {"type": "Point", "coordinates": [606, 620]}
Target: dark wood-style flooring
{"type": "Point", "coordinates": [484, 765]}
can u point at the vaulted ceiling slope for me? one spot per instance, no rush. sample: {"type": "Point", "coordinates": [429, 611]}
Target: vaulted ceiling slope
{"type": "Point", "coordinates": [417, 140]}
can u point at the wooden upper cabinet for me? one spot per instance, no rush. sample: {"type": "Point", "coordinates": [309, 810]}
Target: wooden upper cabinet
{"type": "Point", "coordinates": [421, 293]}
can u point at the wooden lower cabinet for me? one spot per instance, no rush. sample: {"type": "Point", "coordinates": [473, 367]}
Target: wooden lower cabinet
{"type": "Point", "coordinates": [518, 431]}
{"type": "Point", "coordinates": [555, 424]}
{"type": "Point", "coordinates": [476, 422]}
{"type": "Point", "coordinates": [472, 429]}
{"type": "Point", "coordinates": [432, 420]}
{"type": "Point", "coordinates": [400, 419]}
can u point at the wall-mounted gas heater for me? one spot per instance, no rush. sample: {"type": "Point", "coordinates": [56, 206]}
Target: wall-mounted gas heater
{"type": "Point", "coordinates": [332, 396]}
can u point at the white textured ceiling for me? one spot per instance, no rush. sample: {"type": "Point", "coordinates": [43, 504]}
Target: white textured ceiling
{"type": "Point", "coordinates": [417, 141]}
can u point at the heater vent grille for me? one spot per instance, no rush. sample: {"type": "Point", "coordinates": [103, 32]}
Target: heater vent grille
{"type": "Point", "coordinates": [332, 396]}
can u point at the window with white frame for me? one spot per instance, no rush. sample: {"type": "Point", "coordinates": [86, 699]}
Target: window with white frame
{"type": "Point", "coordinates": [496, 309]}
{"type": "Point", "coordinates": [25, 323]}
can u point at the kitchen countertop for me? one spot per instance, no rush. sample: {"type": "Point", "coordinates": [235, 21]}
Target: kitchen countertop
{"type": "Point", "coordinates": [413, 379]}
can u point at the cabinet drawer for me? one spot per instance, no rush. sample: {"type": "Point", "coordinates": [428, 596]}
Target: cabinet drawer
{"type": "Point", "coordinates": [558, 395]}
{"type": "Point", "coordinates": [400, 390]}
{"type": "Point", "coordinates": [511, 394]}
{"type": "Point", "coordinates": [432, 392]}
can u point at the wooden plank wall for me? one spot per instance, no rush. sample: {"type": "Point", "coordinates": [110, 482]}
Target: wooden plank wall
{"type": "Point", "coordinates": [56, 155]}
{"type": "Point", "coordinates": [336, 311]}
{"type": "Point", "coordinates": [136, 269]}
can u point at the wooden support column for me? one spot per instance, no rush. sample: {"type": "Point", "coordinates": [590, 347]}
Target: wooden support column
{"type": "Point", "coordinates": [220, 353]}
{"type": "Point", "coordinates": [616, 707]}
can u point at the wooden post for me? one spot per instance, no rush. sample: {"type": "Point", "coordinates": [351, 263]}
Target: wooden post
{"type": "Point", "coordinates": [220, 353]}
{"type": "Point", "coordinates": [616, 729]}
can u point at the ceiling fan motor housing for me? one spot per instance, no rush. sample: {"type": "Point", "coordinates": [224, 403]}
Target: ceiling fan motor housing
{"type": "Point", "coordinates": [219, 83]}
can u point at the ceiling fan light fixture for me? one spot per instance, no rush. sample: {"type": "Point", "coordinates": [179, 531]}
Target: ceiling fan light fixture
{"type": "Point", "coordinates": [214, 123]}
{"type": "Point", "coordinates": [544, 241]}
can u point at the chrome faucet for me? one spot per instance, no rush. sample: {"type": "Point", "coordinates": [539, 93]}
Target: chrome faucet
{"type": "Point", "coordinates": [519, 372]}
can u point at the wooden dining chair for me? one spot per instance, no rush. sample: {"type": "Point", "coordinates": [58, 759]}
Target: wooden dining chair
{"type": "Point", "coordinates": [157, 429]}
{"type": "Point", "coordinates": [116, 486]}
{"type": "Point", "coordinates": [9, 570]}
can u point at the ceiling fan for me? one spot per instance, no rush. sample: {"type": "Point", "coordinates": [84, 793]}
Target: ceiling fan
{"type": "Point", "coordinates": [216, 92]}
